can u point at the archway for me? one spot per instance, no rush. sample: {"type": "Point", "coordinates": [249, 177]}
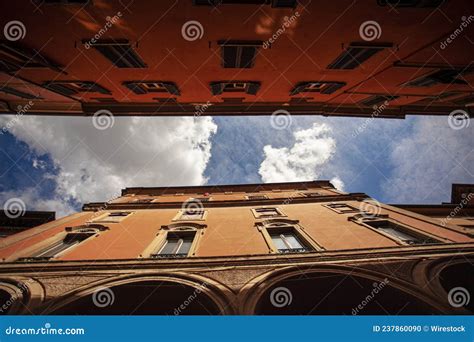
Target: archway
{"type": "Point", "coordinates": [337, 293]}
{"type": "Point", "coordinates": [142, 297]}
{"type": "Point", "coordinates": [458, 282]}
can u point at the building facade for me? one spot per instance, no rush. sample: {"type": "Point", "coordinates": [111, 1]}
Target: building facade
{"type": "Point", "coordinates": [374, 58]}
{"type": "Point", "coordinates": [276, 248]}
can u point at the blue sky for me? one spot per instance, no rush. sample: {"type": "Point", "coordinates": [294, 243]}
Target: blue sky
{"type": "Point", "coordinates": [58, 163]}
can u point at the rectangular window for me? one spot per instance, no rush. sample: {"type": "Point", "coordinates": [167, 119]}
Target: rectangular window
{"type": "Point", "coordinates": [342, 208]}
{"type": "Point", "coordinates": [443, 76]}
{"type": "Point", "coordinates": [177, 245]}
{"type": "Point", "coordinates": [59, 247]}
{"type": "Point", "coordinates": [312, 194]}
{"type": "Point", "coordinates": [192, 214]}
{"type": "Point", "coordinates": [401, 233]}
{"type": "Point", "coordinates": [266, 212]}
{"type": "Point", "coordinates": [356, 54]}
{"type": "Point", "coordinates": [18, 93]}
{"type": "Point", "coordinates": [113, 217]}
{"type": "Point", "coordinates": [317, 87]}
{"type": "Point", "coordinates": [140, 88]}
{"type": "Point", "coordinates": [119, 52]}
{"type": "Point", "coordinates": [239, 54]}
{"type": "Point", "coordinates": [257, 197]}
{"type": "Point", "coordinates": [69, 88]}
{"type": "Point", "coordinates": [14, 57]}
{"type": "Point", "coordinates": [248, 87]}
{"type": "Point", "coordinates": [378, 99]}
{"type": "Point", "coordinates": [286, 241]}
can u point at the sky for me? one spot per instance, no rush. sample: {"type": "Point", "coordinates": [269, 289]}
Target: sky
{"type": "Point", "coordinates": [60, 163]}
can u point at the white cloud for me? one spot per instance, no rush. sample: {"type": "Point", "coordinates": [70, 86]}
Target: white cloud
{"type": "Point", "coordinates": [312, 149]}
{"type": "Point", "coordinates": [338, 183]}
{"type": "Point", "coordinates": [429, 160]}
{"type": "Point", "coordinates": [95, 165]}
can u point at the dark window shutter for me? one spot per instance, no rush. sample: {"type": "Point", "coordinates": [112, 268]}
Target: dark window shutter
{"type": "Point", "coordinates": [253, 88]}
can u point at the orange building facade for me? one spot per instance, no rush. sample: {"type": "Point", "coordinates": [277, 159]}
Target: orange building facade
{"type": "Point", "coordinates": [166, 58]}
{"type": "Point", "coordinates": [276, 248]}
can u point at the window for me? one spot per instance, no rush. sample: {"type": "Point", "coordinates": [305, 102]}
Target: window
{"type": "Point", "coordinates": [274, 3]}
{"type": "Point", "coordinates": [443, 76]}
{"type": "Point", "coordinates": [147, 87]}
{"type": "Point", "coordinates": [69, 88]}
{"type": "Point", "coordinates": [113, 217]}
{"type": "Point", "coordinates": [312, 194]}
{"type": "Point", "coordinates": [378, 99]}
{"type": "Point", "coordinates": [199, 199]}
{"type": "Point", "coordinates": [239, 54]}
{"type": "Point", "coordinates": [119, 52]}
{"type": "Point", "coordinates": [256, 197]}
{"type": "Point", "coordinates": [356, 54]}
{"type": "Point", "coordinates": [190, 214]}
{"type": "Point", "coordinates": [266, 212]}
{"type": "Point", "coordinates": [143, 200]}
{"type": "Point", "coordinates": [400, 233]}
{"type": "Point", "coordinates": [176, 245]}
{"type": "Point", "coordinates": [342, 208]}
{"type": "Point", "coordinates": [22, 94]}
{"type": "Point", "coordinates": [287, 241]}
{"type": "Point", "coordinates": [318, 87]}
{"type": "Point", "coordinates": [247, 87]}
{"type": "Point", "coordinates": [57, 248]}
{"type": "Point", "coordinates": [14, 57]}
{"type": "Point", "coordinates": [410, 3]}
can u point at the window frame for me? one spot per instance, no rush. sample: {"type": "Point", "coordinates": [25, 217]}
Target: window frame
{"type": "Point", "coordinates": [161, 238]}
{"type": "Point", "coordinates": [257, 215]}
{"type": "Point", "coordinates": [298, 231]}
{"type": "Point", "coordinates": [335, 209]}
{"type": "Point", "coordinates": [179, 215]}
{"type": "Point", "coordinates": [103, 218]}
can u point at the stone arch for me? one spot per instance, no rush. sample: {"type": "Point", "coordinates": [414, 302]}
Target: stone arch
{"type": "Point", "coordinates": [150, 293]}
{"type": "Point", "coordinates": [19, 295]}
{"type": "Point", "coordinates": [333, 290]}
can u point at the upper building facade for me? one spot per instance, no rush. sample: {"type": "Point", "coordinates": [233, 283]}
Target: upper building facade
{"type": "Point", "coordinates": [377, 58]}
{"type": "Point", "coordinates": [277, 248]}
